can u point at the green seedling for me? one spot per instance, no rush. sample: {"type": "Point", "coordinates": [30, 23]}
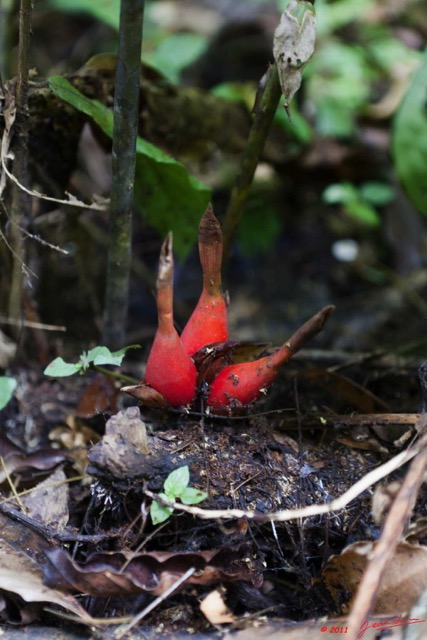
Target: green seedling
{"type": "Point", "coordinates": [95, 359]}
{"type": "Point", "coordinates": [175, 487]}
{"type": "Point", "coordinates": [360, 202]}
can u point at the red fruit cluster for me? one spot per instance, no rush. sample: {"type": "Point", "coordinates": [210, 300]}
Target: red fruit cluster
{"type": "Point", "coordinates": [201, 365]}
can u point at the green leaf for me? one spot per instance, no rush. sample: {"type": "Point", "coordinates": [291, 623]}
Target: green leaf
{"type": "Point", "coordinates": [363, 212]}
{"type": "Point", "coordinates": [339, 192]}
{"type": "Point", "coordinates": [102, 355]}
{"type": "Point", "coordinates": [176, 482]}
{"type": "Point", "coordinates": [377, 193]}
{"type": "Point", "coordinates": [176, 52]}
{"type": "Point", "coordinates": [165, 193]}
{"type": "Point", "coordinates": [170, 200]}
{"type": "Point", "coordinates": [158, 512]}
{"type": "Point", "coordinates": [190, 495]}
{"type": "Point", "coordinates": [107, 11]}
{"type": "Point", "coordinates": [409, 139]}
{"type": "Point", "coordinates": [60, 369]}
{"type": "Point", "coordinates": [7, 387]}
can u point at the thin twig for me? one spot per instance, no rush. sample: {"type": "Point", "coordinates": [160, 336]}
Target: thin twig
{"type": "Point", "coordinates": [122, 632]}
{"type": "Point", "coordinates": [32, 325]}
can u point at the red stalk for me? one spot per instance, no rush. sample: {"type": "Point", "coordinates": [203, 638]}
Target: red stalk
{"type": "Point", "coordinates": [170, 370]}
{"type": "Point", "coordinates": [208, 322]}
{"type": "Point", "coordinates": [240, 384]}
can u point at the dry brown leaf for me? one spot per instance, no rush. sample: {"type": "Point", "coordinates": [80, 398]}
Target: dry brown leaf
{"type": "Point", "coordinates": [21, 573]}
{"type": "Point", "coordinates": [405, 578]}
{"type": "Point", "coordinates": [119, 573]}
{"type": "Point", "coordinates": [48, 501]}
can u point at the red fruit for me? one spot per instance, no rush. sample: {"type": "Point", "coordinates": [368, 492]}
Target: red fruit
{"type": "Point", "coordinates": [240, 384]}
{"type": "Point", "coordinates": [208, 322]}
{"type": "Point", "coordinates": [170, 370]}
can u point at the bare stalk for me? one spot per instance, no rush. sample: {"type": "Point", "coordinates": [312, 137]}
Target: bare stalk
{"type": "Point", "coordinates": [124, 158]}
{"type": "Point", "coordinates": [21, 201]}
{"type": "Point", "coordinates": [256, 140]}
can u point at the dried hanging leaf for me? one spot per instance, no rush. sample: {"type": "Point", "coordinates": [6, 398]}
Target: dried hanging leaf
{"type": "Point", "coordinates": [293, 45]}
{"type": "Point", "coordinates": [404, 581]}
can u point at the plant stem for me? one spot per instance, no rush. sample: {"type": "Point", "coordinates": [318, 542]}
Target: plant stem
{"type": "Point", "coordinates": [115, 374]}
{"type": "Point", "coordinates": [21, 201]}
{"type": "Point", "coordinates": [256, 140]}
{"type": "Point", "coordinates": [126, 111]}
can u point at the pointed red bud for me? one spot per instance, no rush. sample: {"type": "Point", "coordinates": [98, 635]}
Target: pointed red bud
{"type": "Point", "coordinates": [170, 370]}
{"type": "Point", "coordinates": [208, 322]}
{"type": "Point", "coordinates": [240, 384]}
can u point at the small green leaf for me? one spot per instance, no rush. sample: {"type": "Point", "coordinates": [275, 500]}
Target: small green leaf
{"type": "Point", "coordinates": [190, 495]}
{"type": "Point", "coordinates": [60, 369]}
{"type": "Point", "coordinates": [158, 512]}
{"type": "Point", "coordinates": [102, 355]}
{"type": "Point", "coordinates": [377, 193]}
{"type": "Point", "coordinates": [177, 481]}
{"type": "Point", "coordinates": [363, 212]}
{"type": "Point", "coordinates": [340, 192]}
{"type": "Point", "coordinates": [7, 387]}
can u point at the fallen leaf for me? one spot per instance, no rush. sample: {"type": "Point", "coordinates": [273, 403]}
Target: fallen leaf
{"type": "Point", "coordinates": [48, 501]}
{"type": "Point", "coordinates": [404, 581]}
{"type": "Point", "coordinates": [21, 559]}
{"type": "Point", "coordinates": [120, 573]}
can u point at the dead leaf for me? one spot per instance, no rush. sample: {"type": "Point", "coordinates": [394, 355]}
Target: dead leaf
{"type": "Point", "coordinates": [404, 581]}
{"type": "Point", "coordinates": [100, 396]}
{"type": "Point", "coordinates": [21, 557]}
{"type": "Point", "coordinates": [120, 573]}
{"type": "Point", "coordinates": [48, 501]}
{"type": "Point", "coordinates": [293, 45]}
{"type": "Point", "coordinates": [215, 610]}
{"type": "Point", "coordinates": [16, 459]}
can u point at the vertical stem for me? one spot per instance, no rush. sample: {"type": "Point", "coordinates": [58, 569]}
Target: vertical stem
{"type": "Point", "coordinates": [123, 164]}
{"type": "Point", "coordinates": [21, 201]}
{"type": "Point", "coordinates": [254, 146]}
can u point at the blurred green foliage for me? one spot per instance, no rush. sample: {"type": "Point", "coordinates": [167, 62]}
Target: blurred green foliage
{"type": "Point", "coordinates": [359, 58]}
{"type": "Point", "coordinates": [409, 142]}
{"type": "Point", "coordinates": [360, 202]}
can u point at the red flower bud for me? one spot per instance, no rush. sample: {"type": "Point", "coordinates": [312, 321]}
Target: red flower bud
{"type": "Point", "coordinates": [240, 384]}
{"type": "Point", "coordinates": [208, 322]}
{"type": "Point", "coordinates": [170, 370]}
